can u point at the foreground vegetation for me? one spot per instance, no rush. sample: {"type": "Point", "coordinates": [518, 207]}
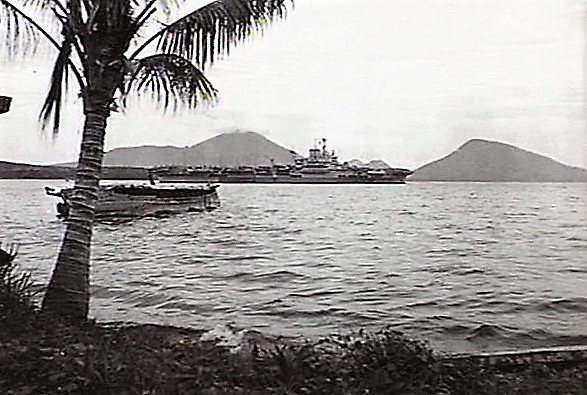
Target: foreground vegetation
{"type": "Point", "coordinates": [41, 355]}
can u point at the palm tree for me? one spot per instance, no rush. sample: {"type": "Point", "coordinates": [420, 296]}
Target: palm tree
{"type": "Point", "coordinates": [94, 47]}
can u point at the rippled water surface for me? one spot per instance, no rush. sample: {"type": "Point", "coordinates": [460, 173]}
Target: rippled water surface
{"type": "Point", "coordinates": [465, 266]}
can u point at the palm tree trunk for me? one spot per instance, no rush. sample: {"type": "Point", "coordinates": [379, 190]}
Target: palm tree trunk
{"type": "Point", "coordinates": [68, 293]}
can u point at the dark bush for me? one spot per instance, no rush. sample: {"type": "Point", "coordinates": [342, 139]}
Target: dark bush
{"type": "Point", "coordinates": [16, 288]}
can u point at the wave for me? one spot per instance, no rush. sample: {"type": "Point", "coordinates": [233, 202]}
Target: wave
{"type": "Point", "coordinates": [280, 275]}
{"type": "Point", "coordinates": [248, 258]}
{"type": "Point", "coordinates": [315, 293]}
{"type": "Point", "coordinates": [485, 331]}
{"type": "Point", "coordinates": [574, 305]}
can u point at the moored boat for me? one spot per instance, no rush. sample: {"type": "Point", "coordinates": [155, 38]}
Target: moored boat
{"type": "Point", "coordinates": [127, 201]}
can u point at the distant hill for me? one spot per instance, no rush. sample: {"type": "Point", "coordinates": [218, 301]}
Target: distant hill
{"type": "Point", "coordinates": [10, 170]}
{"type": "Point", "coordinates": [481, 160]}
{"type": "Point", "coordinates": [378, 164]}
{"type": "Point", "coordinates": [374, 164]}
{"type": "Point", "coordinates": [228, 149]}
{"type": "Point", "coordinates": [355, 162]}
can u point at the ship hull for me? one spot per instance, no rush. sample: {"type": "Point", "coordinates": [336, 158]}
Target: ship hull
{"type": "Point", "coordinates": [279, 179]}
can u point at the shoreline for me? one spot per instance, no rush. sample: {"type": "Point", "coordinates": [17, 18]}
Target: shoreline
{"type": "Point", "coordinates": [43, 355]}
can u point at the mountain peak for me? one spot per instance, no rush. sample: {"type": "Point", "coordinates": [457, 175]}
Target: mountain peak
{"type": "Point", "coordinates": [231, 148]}
{"type": "Point", "coordinates": [481, 143]}
{"type": "Point", "coordinates": [483, 160]}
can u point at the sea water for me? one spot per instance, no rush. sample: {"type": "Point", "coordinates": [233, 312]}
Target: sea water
{"type": "Point", "coordinates": [463, 266]}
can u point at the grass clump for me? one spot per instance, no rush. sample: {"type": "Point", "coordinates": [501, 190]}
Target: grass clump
{"type": "Point", "coordinates": [385, 362]}
{"type": "Point", "coordinates": [16, 288]}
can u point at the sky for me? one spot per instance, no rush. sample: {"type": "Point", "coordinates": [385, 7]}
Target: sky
{"type": "Point", "coordinates": [405, 81]}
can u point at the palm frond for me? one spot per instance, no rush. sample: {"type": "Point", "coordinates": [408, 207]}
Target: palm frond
{"type": "Point", "coordinates": [146, 12]}
{"type": "Point", "coordinates": [42, 4]}
{"type": "Point", "coordinates": [54, 100]}
{"type": "Point", "coordinates": [20, 33]}
{"type": "Point", "coordinates": [163, 5]}
{"type": "Point", "coordinates": [171, 79]}
{"type": "Point", "coordinates": [212, 30]}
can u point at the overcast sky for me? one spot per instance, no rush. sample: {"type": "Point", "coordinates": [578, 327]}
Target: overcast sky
{"type": "Point", "coordinates": [406, 81]}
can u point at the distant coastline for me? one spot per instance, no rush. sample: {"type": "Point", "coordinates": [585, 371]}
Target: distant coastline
{"type": "Point", "coordinates": [476, 160]}
{"type": "Point", "coordinates": [20, 171]}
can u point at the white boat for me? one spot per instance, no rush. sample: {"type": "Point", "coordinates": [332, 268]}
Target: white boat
{"type": "Point", "coordinates": [127, 201]}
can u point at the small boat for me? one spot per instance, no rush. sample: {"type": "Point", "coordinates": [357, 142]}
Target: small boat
{"type": "Point", "coordinates": [129, 201]}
